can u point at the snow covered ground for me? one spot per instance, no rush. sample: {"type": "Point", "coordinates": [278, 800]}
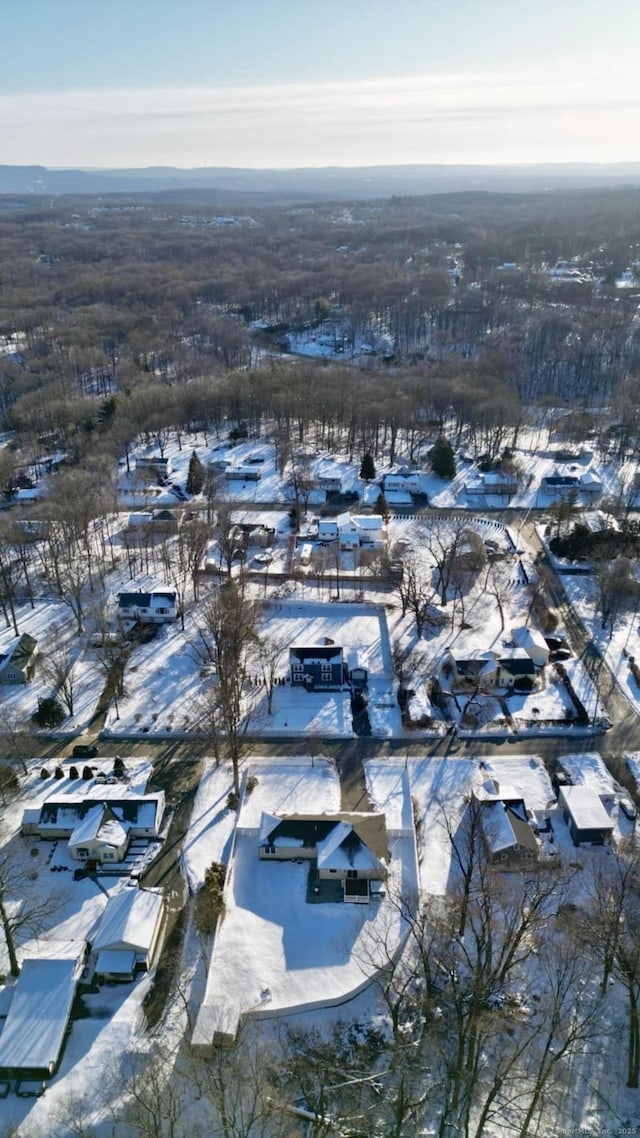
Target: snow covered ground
{"type": "Point", "coordinates": [273, 950]}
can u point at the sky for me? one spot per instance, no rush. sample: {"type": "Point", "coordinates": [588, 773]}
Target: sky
{"type": "Point", "coordinates": [290, 83]}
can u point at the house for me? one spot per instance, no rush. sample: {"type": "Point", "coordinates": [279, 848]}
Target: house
{"type": "Point", "coordinates": [585, 815]}
{"type": "Point", "coordinates": [18, 663]}
{"type": "Point", "coordinates": [159, 521]}
{"type": "Point", "coordinates": [37, 1022]}
{"type": "Point", "coordinates": [348, 847]}
{"type": "Point", "coordinates": [484, 669]}
{"type": "Point", "coordinates": [409, 481]}
{"type": "Point", "coordinates": [158, 607]}
{"type": "Point", "coordinates": [496, 482]}
{"type": "Point", "coordinates": [106, 810]}
{"type": "Point", "coordinates": [474, 667]}
{"type": "Point", "coordinates": [243, 474]}
{"type": "Point", "coordinates": [366, 531]}
{"type": "Point", "coordinates": [155, 462]}
{"type": "Point", "coordinates": [329, 528]}
{"type": "Point", "coordinates": [561, 485]}
{"type": "Point", "coordinates": [508, 837]}
{"type": "Point", "coordinates": [533, 643]}
{"type": "Point", "coordinates": [317, 666]}
{"type": "Point", "coordinates": [517, 669]}
{"type": "Point", "coordinates": [591, 484]}
{"type": "Point", "coordinates": [101, 836]}
{"type": "Point", "coordinates": [127, 936]}
{"type": "Point", "coordinates": [330, 483]}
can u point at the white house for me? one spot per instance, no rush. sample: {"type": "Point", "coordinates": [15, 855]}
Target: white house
{"type": "Point", "coordinates": [409, 481]}
{"type": "Point", "coordinates": [100, 836]}
{"type": "Point", "coordinates": [127, 936]}
{"type": "Point", "coordinates": [591, 485]}
{"type": "Point", "coordinates": [158, 607]}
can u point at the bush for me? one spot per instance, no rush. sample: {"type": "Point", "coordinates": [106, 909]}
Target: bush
{"type": "Point", "coordinates": [58, 773]}
{"type": "Point", "coordinates": [209, 903]}
{"type": "Point", "coordinates": [50, 712]}
{"type": "Point", "coordinates": [232, 800]}
{"type": "Point", "coordinates": [87, 773]}
{"type": "Point", "coordinates": [73, 772]}
{"type": "Point", "coordinates": [118, 767]}
{"type": "Point", "coordinates": [44, 773]}
{"type": "Point", "coordinates": [252, 782]}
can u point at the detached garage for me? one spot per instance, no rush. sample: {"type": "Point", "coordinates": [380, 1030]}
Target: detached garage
{"type": "Point", "coordinates": [128, 935]}
{"type": "Point", "coordinates": [586, 817]}
{"type": "Point", "coordinates": [34, 1031]}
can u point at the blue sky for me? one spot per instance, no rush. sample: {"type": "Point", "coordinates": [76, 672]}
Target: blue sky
{"type": "Point", "coordinates": [336, 82]}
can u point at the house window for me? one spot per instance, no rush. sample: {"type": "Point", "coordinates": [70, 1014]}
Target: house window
{"type": "Point", "coordinates": [270, 849]}
{"type": "Point", "coordinates": [298, 667]}
{"type": "Point", "coordinates": [162, 612]}
{"type": "Point", "coordinates": [326, 671]}
{"type": "Point", "coordinates": [82, 852]}
{"type": "Point", "coordinates": [352, 874]}
{"type": "Point", "coordinates": [333, 871]}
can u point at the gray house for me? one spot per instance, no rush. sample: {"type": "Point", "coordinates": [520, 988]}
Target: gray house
{"type": "Point", "coordinates": [317, 665]}
{"type": "Point", "coordinates": [18, 663]}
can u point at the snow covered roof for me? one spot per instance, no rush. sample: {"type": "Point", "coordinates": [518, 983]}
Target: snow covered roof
{"type": "Point", "coordinates": [585, 807]}
{"type": "Point", "coordinates": [129, 920]}
{"type": "Point", "coordinates": [116, 962]}
{"type": "Point", "coordinates": [99, 824]}
{"type": "Point", "coordinates": [343, 848]}
{"type": "Point", "coordinates": [525, 637]}
{"type": "Point", "coordinates": [146, 600]}
{"type": "Point", "coordinates": [33, 1034]}
{"type": "Point", "coordinates": [314, 829]}
{"type": "Point", "coordinates": [135, 809]}
{"type": "Point", "coordinates": [506, 826]}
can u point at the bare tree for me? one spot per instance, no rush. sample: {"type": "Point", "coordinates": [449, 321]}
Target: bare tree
{"type": "Point", "coordinates": [58, 664]}
{"type": "Point", "coordinates": [229, 629]}
{"type": "Point", "coordinates": [21, 907]}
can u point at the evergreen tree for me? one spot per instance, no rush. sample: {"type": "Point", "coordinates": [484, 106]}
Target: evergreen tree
{"type": "Point", "coordinates": [367, 467]}
{"type": "Point", "coordinates": [195, 477]}
{"type": "Point", "coordinates": [382, 506]}
{"type": "Point", "coordinates": [442, 458]}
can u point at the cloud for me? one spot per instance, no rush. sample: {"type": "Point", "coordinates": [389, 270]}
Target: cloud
{"type": "Point", "coordinates": [572, 113]}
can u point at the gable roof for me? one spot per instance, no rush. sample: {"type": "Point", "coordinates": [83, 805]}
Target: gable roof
{"type": "Point", "coordinates": [33, 1033]}
{"type": "Point", "coordinates": [146, 600]}
{"type": "Point", "coordinates": [314, 829]}
{"type": "Point", "coordinates": [344, 848]}
{"type": "Point", "coordinates": [100, 823]}
{"type": "Point", "coordinates": [132, 809]}
{"type": "Point", "coordinates": [129, 920]}
{"type": "Point", "coordinates": [19, 652]}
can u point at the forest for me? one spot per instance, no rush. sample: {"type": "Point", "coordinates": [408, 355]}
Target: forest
{"type": "Point", "coordinates": [480, 311]}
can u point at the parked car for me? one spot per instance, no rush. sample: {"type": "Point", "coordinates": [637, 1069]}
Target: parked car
{"type": "Point", "coordinates": [560, 654]}
{"type": "Point", "coordinates": [628, 809]}
{"type": "Point", "coordinates": [85, 751]}
{"type": "Point", "coordinates": [555, 642]}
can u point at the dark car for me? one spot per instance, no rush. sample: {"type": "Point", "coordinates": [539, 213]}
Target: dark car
{"type": "Point", "coordinates": [85, 751]}
{"type": "Point", "coordinates": [560, 654]}
{"type": "Point", "coordinates": [556, 642]}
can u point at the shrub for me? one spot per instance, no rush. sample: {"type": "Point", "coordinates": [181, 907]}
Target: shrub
{"type": "Point", "coordinates": [73, 772]}
{"type": "Point", "coordinates": [232, 800]}
{"type": "Point", "coordinates": [50, 712]}
{"type": "Point", "coordinates": [58, 773]}
{"type": "Point", "coordinates": [252, 782]}
{"type": "Point", "coordinates": [44, 773]}
{"type": "Point", "coordinates": [118, 767]}
{"type": "Point", "coordinates": [87, 773]}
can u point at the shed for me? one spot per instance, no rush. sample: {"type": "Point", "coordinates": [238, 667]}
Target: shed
{"type": "Point", "coordinates": [33, 1035]}
{"type": "Point", "coordinates": [585, 815]}
{"type": "Point", "coordinates": [127, 935]}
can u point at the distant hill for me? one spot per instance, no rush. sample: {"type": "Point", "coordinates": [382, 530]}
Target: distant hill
{"type": "Point", "coordinates": [327, 182]}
